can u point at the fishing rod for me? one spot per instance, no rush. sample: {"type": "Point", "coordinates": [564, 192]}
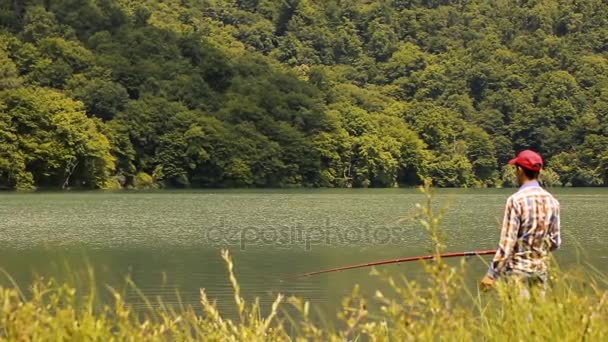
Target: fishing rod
{"type": "Point", "coordinates": [399, 260]}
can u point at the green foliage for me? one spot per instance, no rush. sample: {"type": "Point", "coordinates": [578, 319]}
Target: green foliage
{"type": "Point", "coordinates": [9, 77]}
{"type": "Point", "coordinates": [482, 154]}
{"type": "Point", "coordinates": [508, 176]}
{"type": "Point", "coordinates": [49, 141]}
{"type": "Point", "coordinates": [143, 180]}
{"type": "Point", "coordinates": [103, 99]}
{"type": "Point", "coordinates": [300, 93]}
{"type": "Point", "coordinates": [550, 178]}
{"type": "Point", "coordinates": [38, 23]}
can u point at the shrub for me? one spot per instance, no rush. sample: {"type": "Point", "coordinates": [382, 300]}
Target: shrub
{"type": "Point", "coordinates": [143, 181]}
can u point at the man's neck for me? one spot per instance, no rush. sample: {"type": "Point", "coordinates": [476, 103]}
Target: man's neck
{"type": "Point", "coordinates": [528, 183]}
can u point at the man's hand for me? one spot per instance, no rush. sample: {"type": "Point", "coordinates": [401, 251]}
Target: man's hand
{"type": "Point", "coordinates": [487, 283]}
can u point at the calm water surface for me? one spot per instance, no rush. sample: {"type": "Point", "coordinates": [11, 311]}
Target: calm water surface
{"type": "Point", "coordinates": [169, 242]}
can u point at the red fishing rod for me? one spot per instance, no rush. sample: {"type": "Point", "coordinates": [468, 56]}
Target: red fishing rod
{"type": "Point", "coordinates": [399, 260]}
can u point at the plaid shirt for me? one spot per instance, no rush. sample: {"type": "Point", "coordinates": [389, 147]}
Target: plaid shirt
{"type": "Point", "coordinates": [530, 230]}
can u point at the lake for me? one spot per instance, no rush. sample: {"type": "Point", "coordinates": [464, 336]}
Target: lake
{"type": "Point", "coordinates": [168, 242]}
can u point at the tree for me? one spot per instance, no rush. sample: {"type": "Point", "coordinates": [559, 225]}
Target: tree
{"type": "Point", "coordinates": [103, 99]}
{"type": "Point", "coordinates": [451, 171]}
{"type": "Point", "coordinates": [39, 23]}
{"type": "Point", "coordinates": [381, 40]}
{"type": "Point", "coordinates": [9, 78]}
{"type": "Point", "coordinates": [302, 92]}
{"type": "Point", "coordinates": [407, 59]}
{"type": "Point", "coordinates": [437, 126]}
{"type": "Point", "coordinates": [56, 144]}
{"type": "Point", "coordinates": [482, 154]}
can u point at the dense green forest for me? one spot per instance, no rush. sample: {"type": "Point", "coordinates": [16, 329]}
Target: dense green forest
{"type": "Point", "coordinates": [279, 93]}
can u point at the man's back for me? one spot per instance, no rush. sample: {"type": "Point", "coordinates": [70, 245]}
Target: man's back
{"type": "Point", "coordinates": [534, 224]}
{"type": "Point", "coordinates": [530, 230]}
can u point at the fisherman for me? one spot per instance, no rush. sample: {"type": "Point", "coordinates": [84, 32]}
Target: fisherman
{"type": "Point", "coordinates": [530, 229]}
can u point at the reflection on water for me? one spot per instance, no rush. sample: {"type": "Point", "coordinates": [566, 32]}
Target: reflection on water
{"type": "Point", "coordinates": [169, 242]}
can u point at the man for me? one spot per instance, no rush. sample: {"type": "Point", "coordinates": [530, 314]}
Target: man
{"type": "Point", "coordinates": [530, 228]}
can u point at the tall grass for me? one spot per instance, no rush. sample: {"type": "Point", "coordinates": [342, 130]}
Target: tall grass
{"type": "Point", "coordinates": [573, 308]}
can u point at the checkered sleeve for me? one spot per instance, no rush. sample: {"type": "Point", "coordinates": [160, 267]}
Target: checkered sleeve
{"type": "Point", "coordinates": [555, 239]}
{"type": "Point", "coordinates": [508, 238]}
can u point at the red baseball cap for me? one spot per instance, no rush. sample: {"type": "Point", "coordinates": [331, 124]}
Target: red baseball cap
{"type": "Point", "coordinates": [528, 159]}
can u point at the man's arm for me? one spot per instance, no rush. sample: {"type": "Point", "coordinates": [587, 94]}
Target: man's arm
{"type": "Point", "coordinates": [508, 238]}
{"type": "Point", "coordinates": [555, 239]}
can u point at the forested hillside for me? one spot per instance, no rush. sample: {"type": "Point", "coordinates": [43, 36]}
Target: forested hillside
{"type": "Point", "coordinates": [278, 93]}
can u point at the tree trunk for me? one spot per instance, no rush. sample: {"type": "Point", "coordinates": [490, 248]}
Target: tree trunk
{"type": "Point", "coordinates": [69, 170]}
